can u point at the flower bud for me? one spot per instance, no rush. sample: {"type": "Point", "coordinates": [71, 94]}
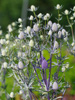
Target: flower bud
{"type": "Point", "coordinates": [44, 64]}
{"type": "Point", "coordinates": [40, 15]}
{"type": "Point", "coordinates": [63, 32]}
{"type": "Point", "coordinates": [3, 52]}
{"type": "Point", "coordinates": [63, 69]}
{"type": "Point", "coordinates": [56, 45]}
{"type": "Point", "coordinates": [7, 36]}
{"type": "Point", "coordinates": [0, 32]}
{"type": "Point", "coordinates": [67, 65]}
{"type": "Point", "coordinates": [20, 65]}
{"type": "Point", "coordinates": [74, 8]}
{"type": "Point", "coordinates": [50, 33]}
{"type": "Point", "coordinates": [12, 95]}
{"type": "Point", "coordinates": [31, 43]}
{"type": "Point", "coordinates": [28, 29]}
{"type": "Point", "coordinates": [41, 36]}
{"type": "Point", "coordinates": [19, 54]}
{"type": "Point", "coordinates": [21, 92]}
{"type": "Point", "coordinates": [59, 34]}
{"type": "Point", "coordinates": [21, 35]}
{"type": "Point", "coordinates": [45, 17]}
{"type": "Point", "coordinates": [66, 12]}
{"type": "Point", "coordinates": [5, 65]}
{"type": "Point", "coordinates": [74, 14]}
{"type": "Point", "coordinates": [35, 28]}
{"type": "Point", "coordinates": [19, 20]}
{"type": "Point", "coordinates": [58, 6]}
{"type": "Point", "coordinates": [54, 27]}
{"type": "Point", "coordinates": [32, 8]}
{"type": "Point", "coordinates": [72, 44]}
{"type": "Point", "coordinates": [55, 86]}
{"type": "Point", "coordinates": [50, 23]}
{"type": "Point", "coordinates": [31, 17]}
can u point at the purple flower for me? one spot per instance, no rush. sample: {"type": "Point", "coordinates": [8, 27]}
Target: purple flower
{"type": "Point", "coordinates": [44, 64]}
{"type": "Point", "coordinates": [41, 59]}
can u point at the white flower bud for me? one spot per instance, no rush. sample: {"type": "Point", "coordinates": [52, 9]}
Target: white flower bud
{"type": "Point", "coordinates": [20, 65]}
{"type": "Point", "coordinates": [67, 65]}
{"type": "Point", "coordinates": [31, 43]}
{"type": "Point", "coordinates": [35, 28]}
{"type": "Point", "coordinates": [19, 54]}
{"type": "Point", "coordinates": [21, 92]}
{"type": "Point", "coordinates": [3, 52]}
{"type": "Point", "coordinates": [59, 25]}
{"type": "Point", "coordinates": [50, 33]}
{"type": "Point", "coordinates": [40, 15]}
{"type": "Point", "coordinates": [63, 69]}
{"type": "Point", "coordinates": [56, 44]}
{"type": "Point", "coordinates": [21, 35]}
{"type": "Point", "coordinates": [32, 8]}
{"type": "Point", "coordinates": [28, 29]}
{"type": "Point", "coordinates": [74, 14]}
{"type": "Point", "coordinates": [7, 42]}
{"type": "Point", "coordinates": [66, 12]}
{"type": "Point", "coordinates": [10, 28]}
{"type": "Point", "coordinates": [0, 32]}
{"type": "Point", "coordinates": [2, 41]}
{"type": "Point", "coordinates": [13, 23]}
{"type": "Point", "coordinates": [59, 34]}
{"type": "Point", "coordinates": [41, 36]}
{"type": "Point", "coordinates": [19, 20]}
{"type": "Point", "coordinates": [7, 36]}
{"type": "Point", "coordinates": [72, 44]}
{"type": "Point", "coordinates": [74, 8]}
{"type": "Point", "coordinates": [12, 95]}
{"type": "Point", "coordinates": [63, 32]}
{"type": "Point", "coordinates": [55, 86]}
{"type": "Point", "coordinates": [31, 17]}
{"type": "Point", "coordinates": [45, 17]}
{"type": "Point", "coordinates": [48, 15]}
{"type": "Point", "coordinates": [54, 27]}
{"type": "Point", "coordinates": [71, 17]}
{"type": "Point", "coordinates": [65, 39]}
{"type": "Point", "coordinates": [50, 23]}
{"type": "Point", "coordinates": [5, 65]}
{"type": "Point", "coordinates": [58, 6]}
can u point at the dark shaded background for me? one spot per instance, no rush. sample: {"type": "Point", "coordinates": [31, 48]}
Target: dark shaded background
{"type": "Point", "coordinates": [11, 10]}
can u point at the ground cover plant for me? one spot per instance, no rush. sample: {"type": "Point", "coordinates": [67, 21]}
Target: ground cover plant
{"type": "Point", "coordinates": [33, 56]}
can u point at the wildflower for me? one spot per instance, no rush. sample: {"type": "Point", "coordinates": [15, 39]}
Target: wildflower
{"type": "Point", "coordinates": [5, 65]}
{"type": "Point", "coordinates": [13, 24]}
{"type": "Point", "coordinates": [63, 32]}
{"type": "Point", "coordinates": [67, 65]}
{"type": "Point", "coordinates": [31, 43]}
{"type": "Point", "coordinates": [32, 8]}
{"type": "Point", "coordinates": [0, 32]}
{"type": "Point", "coordinates": [31, 17]}
{"type": "Point", "coordinates": [35, 28]}
{"type": "Point", "coordinates": [65, 39]}
{"type": "Point", "coordinates": [54, 27]}
{"type": "Point", "coordinates": [59, 34]}
{"type": "Point", "coordinates": [12, 95]}
{"type": "Point", "coordinates": [10, 28]}
{"type": "Point", "coordinates": [40, 15]}
{"type": "Point", "coordinates": [74, 8]}
{"type": "Point", "coordinates": [19, 20]}
{"type": "Point", "coordinates": [56, 45]}
{"type": "Point", "coordinates": [21, 92]}
{"type": "Point", "coordinates": [50, 33]}
{"type": "Point", "coordinates": [19, 54]}
{"type": "Point", "coordinates": [28, 29]}
{"type": "Point", "coordinates": [50, 23]}
{"type": "Point", "coordinates": [20, 65]}
{"type": "Point", "coordinates": [44, 64]}
{"type": "Point", "coordinates": [74, 14]}
{"type": "Point", "coordinates": [7, 36]}
{"type": "Point", "coordinates": [21, 35]}
{"type": "Point", "coordinates": [3, 52]}
{"type": "Point", "coordinates": [41, 36]}
{"type": "Point", "coordinates": [58, 6]}
{"type": "Point", "coordinates": [48, 15]}
{"type": "Point", "coordinates": [55, 86]}
{"type": "Point", "coordinates": [45, 17]}
{"type": "Point", "coordinates": [72, 44]}
{"type": "Point", "coordinates": [63, 69]}
{"type": "Point", "coordinates": [71, 17]}
{"type": "Point", "coordinates": [66, 12]}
